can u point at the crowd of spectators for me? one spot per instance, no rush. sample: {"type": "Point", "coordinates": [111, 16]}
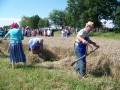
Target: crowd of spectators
{"type": "Point", "coordinates": [28, 32]}
{"type": "Point", "coordinates": [65, 32]}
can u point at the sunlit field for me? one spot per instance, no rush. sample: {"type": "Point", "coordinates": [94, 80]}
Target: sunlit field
{"type": "Point", "coordinates": [58, 22]}
{"type": "Point", "coordinates": [52, 71]}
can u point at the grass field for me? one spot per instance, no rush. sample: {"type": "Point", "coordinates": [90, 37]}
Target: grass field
{"type": "Point", "coordinates": [37, 77]}
{"type": "Point", "coordinates": [110, 35]}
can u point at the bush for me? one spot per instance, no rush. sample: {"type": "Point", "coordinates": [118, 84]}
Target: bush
{"type": "Point", "coordinates": [117, 30]}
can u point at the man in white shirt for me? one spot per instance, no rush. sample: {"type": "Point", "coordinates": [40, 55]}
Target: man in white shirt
{"type": "Point", "coordinates": [49, 32]}
{"type": "Point", "coordinates": [82, 39]}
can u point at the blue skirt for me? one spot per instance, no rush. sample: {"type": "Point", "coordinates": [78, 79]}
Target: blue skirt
{"type": "Point", "coordinates": [16, 52]}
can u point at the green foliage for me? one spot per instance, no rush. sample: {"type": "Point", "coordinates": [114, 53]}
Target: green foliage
{"type": "Point", "coordinates": [116, 15]}
{"type": "Point", "coordinates": [68, 19]}
{"type": "Point", "coordinates": [117, 30]}
{"type": "Point", "coordinates": [82, 11]}
{"type": "Point", "coordinates": [7, 27]}
{"type": "Point", "coordinates": [43, 23]}
{"type": "Point", "coordinates": [57, 17]}
{"type": "Point", "coordinates": [46, 22]}
{"type": "Point", "coordinates": [33, 23]}
{"type": "Point", "coordinates": [24, 21]}
{"type": "Point", "coordinates": [77, 13]}
{"type": "Point", "coordinates": [111, 35]}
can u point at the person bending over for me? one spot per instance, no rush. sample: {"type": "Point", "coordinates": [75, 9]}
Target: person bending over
{"type": "Point", "coordinates": [36, 45]}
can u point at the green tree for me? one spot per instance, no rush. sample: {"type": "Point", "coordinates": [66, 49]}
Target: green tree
{"type": "Point", "coordinates": [116, 15]}
{"type": "Point", "coordinates": [7, 27]}
{"type": "Point", "coordinates": [67, 20]}
{"type": "Point", "coordinates": [43, 23]}
{"type": "Point", "coordinates": [46, 22]}
{"type": "Point", "coordinates": [73, 12]}
{"type": "Point", "coordinates": [33, 23]}
{"type": "Point", "coordinates": [57, 17]}
{"type": "Point", "coordinates": [85, 10]}
{"type": "Point", "coordinates": [24, 21]}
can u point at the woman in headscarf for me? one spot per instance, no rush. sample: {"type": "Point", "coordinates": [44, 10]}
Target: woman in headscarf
{"type": "Point", "coordinates": [15, 47]}
{"type": "Point", "coordinates": [36, 45]}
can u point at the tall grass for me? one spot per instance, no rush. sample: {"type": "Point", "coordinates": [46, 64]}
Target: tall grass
{"type": "Point", "coordinates": [110, 35]}
{"type": "Point", "coordinates": [103, 34]}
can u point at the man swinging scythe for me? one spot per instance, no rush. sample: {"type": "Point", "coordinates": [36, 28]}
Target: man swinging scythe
{"type": "Point", "coordinates": [82, 39]}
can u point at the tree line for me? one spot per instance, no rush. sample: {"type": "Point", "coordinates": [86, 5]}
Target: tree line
{"type": "Point", "coordinates": [77, 13]}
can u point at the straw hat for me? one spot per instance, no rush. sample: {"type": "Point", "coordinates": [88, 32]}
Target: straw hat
{"type": "Point", "coordinates": [90, 23]}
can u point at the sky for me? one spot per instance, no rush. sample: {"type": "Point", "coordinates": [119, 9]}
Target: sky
{"type": "Point", "coordinates": [13, 10]}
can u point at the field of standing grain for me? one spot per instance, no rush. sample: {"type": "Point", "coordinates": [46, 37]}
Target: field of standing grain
{"type": "Point", "coordinates": [106, 58]}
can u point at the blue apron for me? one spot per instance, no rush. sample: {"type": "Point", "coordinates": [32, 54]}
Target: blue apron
{"type": "Point", "coordinates": [80, 51]}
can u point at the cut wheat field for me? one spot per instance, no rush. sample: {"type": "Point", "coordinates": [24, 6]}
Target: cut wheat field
{"type": "Point", "coordinates": [62, 50]}
{"type": "Point", "coordinates": [53, 71]}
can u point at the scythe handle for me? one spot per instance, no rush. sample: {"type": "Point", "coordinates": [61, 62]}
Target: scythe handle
{"type": "Point", "coordinates": [84, 56]}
